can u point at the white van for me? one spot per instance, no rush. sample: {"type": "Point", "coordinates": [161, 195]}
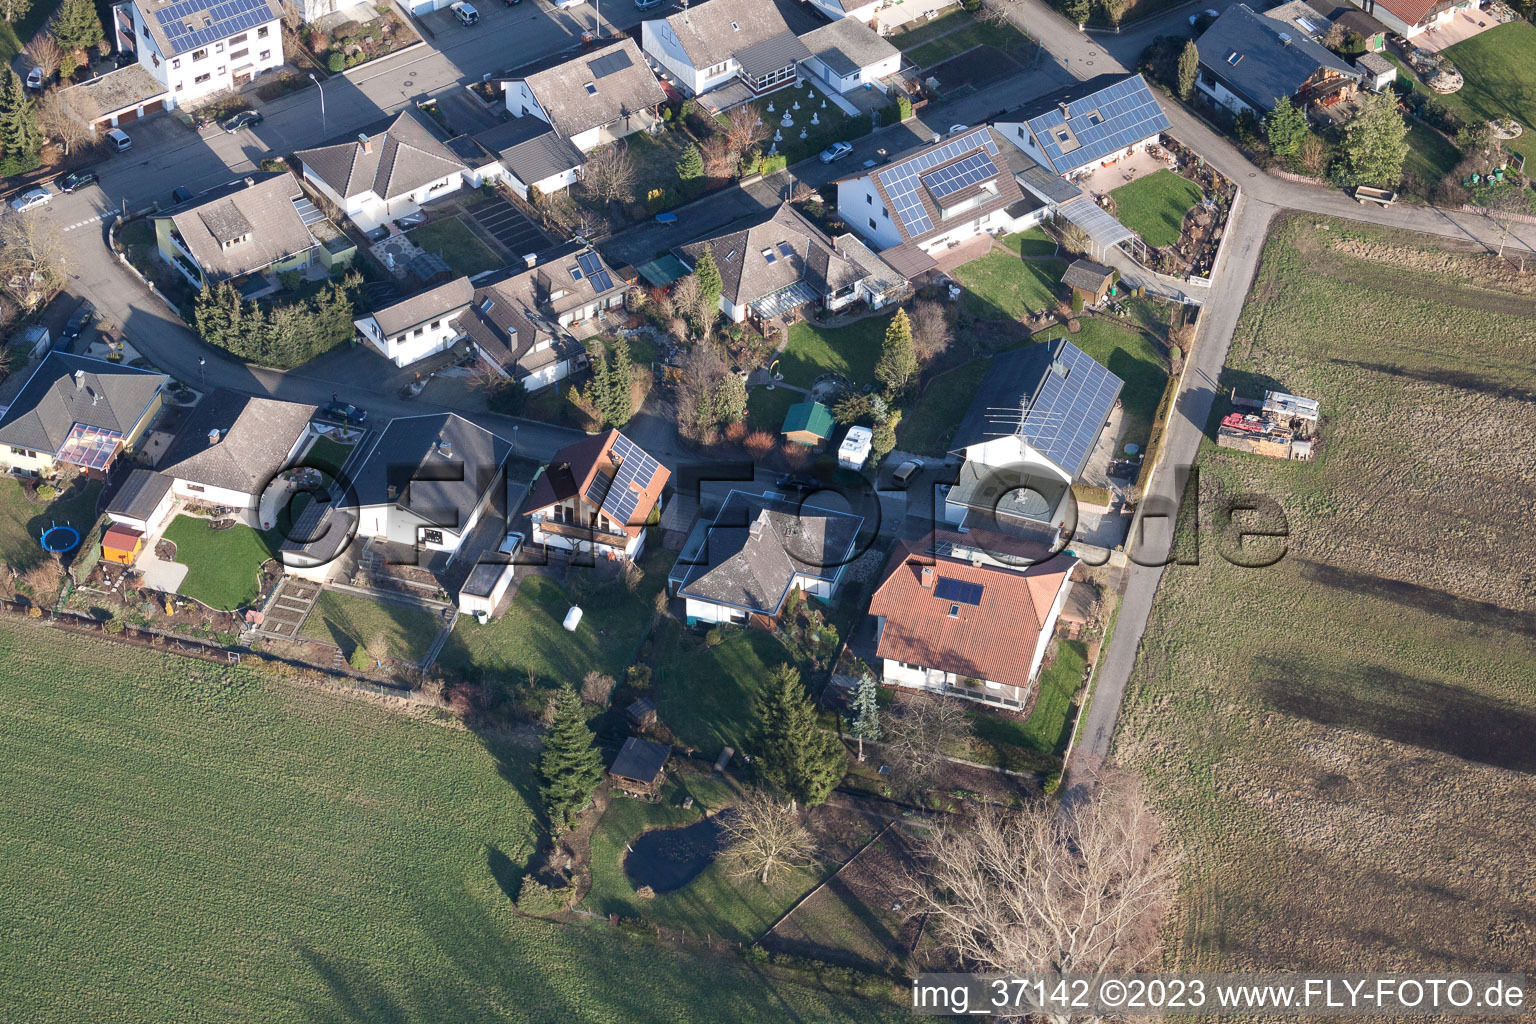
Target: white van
{"type": "Point", "coordinates": [119, 140]}
{"type": "Point", "coordinates": [466, 13]}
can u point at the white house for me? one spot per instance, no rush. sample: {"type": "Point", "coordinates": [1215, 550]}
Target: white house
{"type": "Point", "coordinates": [883, 16]}
{"type": "Point", "coordinates": [75, 413]}
{"type": "Point", "coordinates": [1248, 61]}
{"type": "Point", "coordinates": [595, 498]}
{"type": "Point", "coordinates": [233, 446]}
{"type": "Point", "coordinates": [529, 155]}
{"type": "Point", "coordinates": [1410, 18]}
{"type": "Point", "coordinates": [1095, 123]}
{"type": "Point", "coordinates": [528, 326]}
{"type": "Point", "coordinates": [969, 627]}
{"type": "Point", "coordinates": [1026, 438]}
{"type": "Point", "coordinates": [704, 47]}
{"type": "Point", "coordinates": [419, 326]}
{"type": "Point", "coordinates": [388, 175]}
{"type": "Point", "coordinates": [741, 560]}
{"type": "Point", "coordinates": [593, 99]}
{"type": "Point", "coordinates": [774, 264]}
{"type": "Point", "coordinates": [196, 48]}
{"type": "Point", "coordinates": [848, 55]}
{"type": "Point", "coordinates": [142, 501]}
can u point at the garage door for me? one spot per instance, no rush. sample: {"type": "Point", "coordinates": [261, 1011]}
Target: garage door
{"type": "Point", "coordinates": [153, 107]}
{"type": "Point", "coordinates": [128, 117]}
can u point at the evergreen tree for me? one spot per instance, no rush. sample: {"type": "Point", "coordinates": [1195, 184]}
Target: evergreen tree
{"type": "Point", "coordinates": [898, 356]}
{"type": "Point", "coordinates": [20, 137]}
{"type": "Point", "coordinates": [710, 284]}
{"type": "Point", "coordinates": [1285, 127]}
{"type": "Point", "coordinates": [1374, 142]}
{"type": "Point", "coordinates": [1189, 67]}
{"type": "Point", "coordinates": [76, 25]}
{"type": "Point", "coordinates": [620, 376]}
{"type": "Point", "coordinates": [1075, 11]}
{"type": "Point", "coordinates": [690, 166]}
{"type": "Point", "coordinates": [795, 754]}
{"type": "Point", "coordinates": [570, 767]}
{"type": "Point", "coordinates": [866, 713]}
{"type": "Point", "coordinates": [14, 10]}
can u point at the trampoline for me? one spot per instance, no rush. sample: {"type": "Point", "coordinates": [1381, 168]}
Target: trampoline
{"type": "Point", "coordinates": [59, 539]}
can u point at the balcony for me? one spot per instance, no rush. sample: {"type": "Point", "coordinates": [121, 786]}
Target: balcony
{"type": "Point", "coordinates": [575, 531]}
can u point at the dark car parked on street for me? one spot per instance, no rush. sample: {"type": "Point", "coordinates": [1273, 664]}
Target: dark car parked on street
{"type": "Point", "coordinates": [84, 315]}
{"type": "Point", "coordinates": [244, 119]}
{"type": "Point", "coordinates": [76, 179]}
{"type": "Point", "coordinates": [802, 484]}
{"type": "Point", "coordinates": [344, 412]}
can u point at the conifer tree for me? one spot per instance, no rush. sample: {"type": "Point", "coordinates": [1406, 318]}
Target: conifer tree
{"type": "Point", "coordinates": [570, 767]}
{"type": "Point", "coordinates": [710, 284]}
{"type": "Point", "coordinates": [898, 356]}
{"type": "Point", "coordinates": [866, 713]}
{"type": "Point", "coordinates": [690, 165]}
{"type": "Point", "coordinates": [76, 25]}
{"type": "Point", "coordinates": [20, 136]}
{"type": "Point", "coordinates": [795, 754]}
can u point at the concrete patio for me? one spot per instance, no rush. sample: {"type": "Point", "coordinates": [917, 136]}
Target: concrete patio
{"type": "Point", "coordinates": [1124, 171]}
{"type": "Point", "coordinates": [1464, 25]}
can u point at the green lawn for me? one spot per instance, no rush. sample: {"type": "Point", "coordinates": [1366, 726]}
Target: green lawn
{"type": "Point", "coordinates": [452, 239]}
{"type": "Point", "coordinates": [1033, 244]}
{"type": "Point", "coordinates": [835, 126]}
{"type": "Point", "coordinates": [1499, 69]}
{"type": "Point", "coordinates": [1154, 206]}
{"type": "Point", "coordinates": [530, 635]}
{"type": "Point", "coordinates": [852, 351]}
{"type": "Point", "coordinates": [1036, 743]}
{"type": "Point", "coordinates": [1005, 37]}
{"type": "Point", "coordinates": [13, 36]}
{"type": "Point", "coordinates": [184, 841]}
{"type": "Point", "coordinates": [1135, 359]}
{"type": "Point", "coordinates": [1431, 156]}
{"type": "Point", "coordinates": [222, 565]}
{"type": "Point", "coordinates": [1002, 286]}
{"type": "Point", "coordinates": [705, 694]}
{"type": "Point", "coordinates": [328, 455]}
{"type": "Point", "coordinates": [385, 629]}
{"type": "Point", "coordinates": [766, 409]}
{"type": "Point", "coordinates": [928, 424]}
{"type": "Point", "coordinates": [23, 521]}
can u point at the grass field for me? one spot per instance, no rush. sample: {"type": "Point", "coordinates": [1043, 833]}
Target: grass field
{"type": "Point", "coordinates": [530, 637]}
{"type": "Point", "coordinates": [1431, 156]}
{"type": "Point", "coordinates": [181, 841]}
{"type": "Point", "coordinates": [383, 628]}
{"type": "Point", "coordinates": [1035, 743]}
{"type": "Point", "coordinates": [766, 409]}
{"type": "Point", "coordinates": [1001, 285]}
{"type": "Point", "coordinates": [222, 564]}
{"type": "Point", "coordinates": [452, 239]}
{"type": "Point", "coordinates": [705, 694]}
{"type": "Point", "coordinates": [1500, 79]}
{"type": "Point", "coordinates": [1154, 206]}
{"type": "Point", "coordinates": [23, 521]}
{"type": "Point", "coordinates": [851, 351]}
{"type": "Point", "coordinates": [328, 455]}
{"type": "Point", "coordinates": [1330, 738]}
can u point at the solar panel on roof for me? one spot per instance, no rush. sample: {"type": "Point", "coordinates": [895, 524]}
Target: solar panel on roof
{"type": "Point", "coordinates": [1129, 113]}
{"type": "Point", "coordinates": [961, 591]}
{"type": "Point", "coordinates": [902, 181]}
{"type": "Point", "coordinates": [976, 168]}
{"type": "Point", "coordinates": [635, 467]}
{"type": "Point", "coordinates": [1068, 413]}
{"type": "Point", "coordinates": [596, 273]}
{"type": "Point", "coordinates": [608, 64]}
{"type": "Point", "coordinates": [209, 23]}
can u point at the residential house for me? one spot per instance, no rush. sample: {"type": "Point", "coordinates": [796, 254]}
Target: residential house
{"type": "Point", "coordinates": [937, 197]}
{"type": "Point", "coordinates": [595, 497]}
{"type": "Point", "coordinates": [882, 15]}
{"type": "Point", "coordinates": [741, 560]}
{"type": "Point", "coordinates": [424, 484]}
{"type": "Point", "coordinates": [1087, 126]}
{"type": "Point", "coordinates": [75, 413]}
{"type": "Point", "coordinates": [232, 446]}
{"type": "Point", "coordinates": [142, 500]}
{"type": "Point", "coordinates": [808, 424]}
{"type": "Point", "coordinates": [529, 155]}
{"type": "Point", "coordinates": [529, 326]}
{"type": "Point", "coordinates": [773, 264]}
{"type": "Point", "coordinates": [196, 48]}
{"type": "Point", "coordinates": [848, 55]}
{"type": "Point", "coordinates": [1249, 62]}
{"type": "Point", "coordinates": [708, 45]}
{"type": "Point", "coordinates": [249, 232]}
{"type": "Point", "coordinates": [1315, 19]}
{"type": "Point", "coordinates": [424, 324]}
{"type": "Point", "coordinates": [967, 627]}
{"type": "Point", "coordinates": [1411, 18]}
{"type": "Point", "coordinates": [592, 99]}
{"type": "Point", "coordinates": [388, 175]}
{"type": "Point", "coordinates": [1026, 438]}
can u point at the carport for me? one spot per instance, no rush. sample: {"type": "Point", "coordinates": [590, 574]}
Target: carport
{"type": "Point", "coordinates": [1103, 230]}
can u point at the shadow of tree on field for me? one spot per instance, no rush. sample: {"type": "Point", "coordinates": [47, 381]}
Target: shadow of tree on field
{"type": "Point", "coordinates": [1421, 598]}
{"type": "Point", "coordinates": [1474, 382]}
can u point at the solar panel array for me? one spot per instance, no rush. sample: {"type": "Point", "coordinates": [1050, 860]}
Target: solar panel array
{"type": "Point", "coordinates": [635, 467]}
{"type": "Point", "coordinates": [597, 274]}
{"type": "Point", "coordinates": [224, 19]}
{"type": "Point", "coordinates": [1130, 112]}
{"type": "Point", "coordinates": [1069, 410]}
{"type": "Point", "coordinates": [959, 591]}
{"type": "Point", "coordinates": [974, 169]}
{"type": "Point", "coordinates": [607, 64]}
{"type": "Point", "coordinates": [309, 213]}
{"type": "Point", "coordinates": [902, 182]}
{"type": "Point", "coordinates": [91, 447]}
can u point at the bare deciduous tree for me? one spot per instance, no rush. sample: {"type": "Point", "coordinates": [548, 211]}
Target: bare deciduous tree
{"type": "Point", "coordinates": [632, 576]}
{"type": "Point", "coordinates": [766, 837]}
{"type": "Point", "coordinates": [743, 128]}
{"type": "Point", "coordinates": [919, 736]}
{"type": "Point", "coordinates": [60, 116]}
{"type": "Point", "coordinates": [44, 580]}
{"type": "Point", "coordinates": [931, 332]}
{"type": "Point", "coordinates": [719, 161]}
{"type": "Point", "coordinates": [44, 54]}
{"type": "Point", "coordinates": [697, 412]}
{"type": "Point", "coordinates": [1050, 889]}
{"type": "Point", "coordinates": [31, 245]}
{"type": "Point", "coordinates": [687, 300]}
{"type": "Point", "coordinates": [596, 687]}
{"type": "Point", "coordinates": [609, 174]}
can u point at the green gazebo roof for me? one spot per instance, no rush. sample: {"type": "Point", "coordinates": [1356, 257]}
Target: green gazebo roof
{"type": "Point", "coordinates": [811, 416]}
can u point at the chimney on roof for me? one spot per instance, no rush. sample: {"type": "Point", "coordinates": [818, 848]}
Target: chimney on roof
{"type": "Point", "coordinates": [390, 490]}
{"type": "Point", "coordinates": [1285, 39]}
{"type": "Point", "coordinates": [531, 259]}
{"type": "Point", "coordinates": [79, 378]}
{"type": "Point", "coordinates": [759, 524]}
{"type": "Point", "coordinates": [1066, 115]}
{"type": "Point", "coordinates": [445, 448]}
{"type": "Point", "coordinates": [365, 141]}
{"type": "Point", "coordinates": [249, 181]}
{"type": "Point", "coordinates": [213, 436]}
{"type": "Point", "coordinates": [927, 577]}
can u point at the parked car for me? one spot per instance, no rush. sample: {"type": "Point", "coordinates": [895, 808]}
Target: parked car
{"type": "Point", "coordinates": [244, 119]}
{"type": "Point", "coordinates": [511, 3]}
{"type": "Point", "coordinates": [1209, 13]}
{"type": "Point", "coordinates": [31, 198]}
{"type": "Point", "coordinates": [956, 129]}
{"type": "Point", "coordinates": [180, 194]}
{"type": "Point", "coordinates": [79, 320]}
{"type": "Point", "coordinates": [76, 180]}
{"type": "Point", "coordinates": [646, 5]}
{"type": "Point", "coordinates": [512, 546]}
{"type": "Point", "coordinates": [411, 220]}
{"type": "Point", "coordinates": [119, 140]}
{"type": "Point", "coordinates": [35, 78]}
{"type": "Point", "coordinates": [466, 13]}
{"type": "Point", "coordinates": [801, 484]}
{"type": "Point", "coordinates": [904, 472]}
{"type": "Point", "coordinates": [836, 151]}
{"type": "Point", "coordinates": [344, 412]}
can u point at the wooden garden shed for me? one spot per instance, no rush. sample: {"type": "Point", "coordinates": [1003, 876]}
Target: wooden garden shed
{"type": "Point", "coordinates": [808, 423]}
{"type": "Point", "coordinates": [121, 544]}
{"type": "Point", "coordinates": [640, 768]}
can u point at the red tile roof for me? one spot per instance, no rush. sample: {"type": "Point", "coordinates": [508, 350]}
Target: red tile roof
{"type": "Point", "coordinates": [994, 639]}
{"type": "Point", "coordinates": [1411, 11]}
{"type": "Point", "coordinates": [573, 469]}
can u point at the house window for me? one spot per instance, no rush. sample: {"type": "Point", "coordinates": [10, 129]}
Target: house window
{"type": "Point", "coordinates": [24, 453]}
{"type": "Point", "coordinates": [872, 225]}
{"type": "Point", "coordinates": [885, 213]}
{"type": "Point", "coordinates": [236, 55]}
{"type": "Point", "coordinates": [218, 47]}
{"type": "Point", "coordinates": [954, 611]}
{"type": "Point", "coordinates": [261, 33]}
{"type": "Point", "coordinates": [869, 200]}
{"type": "Point", "coordinates": [265, 54]}
{"type": "Point", "coordinates": [198, 488]}
{"type": "Point", "coordinates": [237, 40]}
{"type": "Point", "coordinates": [432, 536]}
{"type": "Point", "coordinates": [200, 54]}
{"type": "Point", "coordinates": [175, 64]}
{"type": "Point", "coordinates": [769, 257]}
{"type": "Point", "coordinates": [200, 79]}
{"type": "Point", "coordinates": [180, 86]}
{"type": "Point", "coordinates": [417, 332]}
{"type": "Point", "coordinates": [436, 324]}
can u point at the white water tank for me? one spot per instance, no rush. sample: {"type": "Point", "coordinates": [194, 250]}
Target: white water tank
{"type": "Point", "coordinates": [572, 618]}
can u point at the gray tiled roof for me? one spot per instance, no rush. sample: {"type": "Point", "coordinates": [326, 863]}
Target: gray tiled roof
{"type": "Point", "coordinates": [522, 310]}
{"type": "Point", "coordinates": [772, 54]}
{"type": "Point", "coordinates": [255, 437]}
{"type": "Point", "coordinates": [753, 266]}
{"type": "Point", "coordinates": [749, 552]}
{"type": "Point", "coordinates": [443, 489]}
{"type": "Point", "coordinates": [262, 210]}
{"type": "Point", "coordinates": [847, 46]}
{"type": "Point", "coordinates": [445, 299]}
{"type": "Point", "coordinates": [1086, 274]}
{"type": "Point", "coordinates": [140, 494]}
{"type": "Point", "coordinates": [404, 157]}
{"type": "Point", "coordinates": [596, 88]}
{"type": "Point", "coordinates": [1244, 50]}
{"type": "Point", "coordinates": [713, 32]}
{"type": "Point", "coordinates": [530, 148]}
{"type": "Point", "coordinates": [67, 389]}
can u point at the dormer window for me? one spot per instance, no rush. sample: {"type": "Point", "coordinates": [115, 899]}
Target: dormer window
{"type": "Point", "coordinates": [1233, 58]}
{"type": "Point", "coordinates": [1094, 117]}
{"type": "Point", "coordinates": [237, 240]}
{"type": "Point", "coordinates": [485, 307]}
